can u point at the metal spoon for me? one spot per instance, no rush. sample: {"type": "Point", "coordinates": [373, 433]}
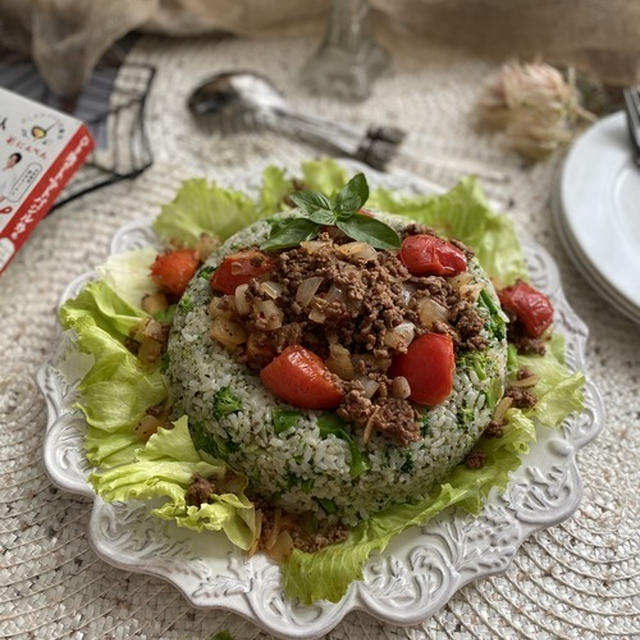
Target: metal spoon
{"type": "Point", "coordinates": [236, 100]}
{"type": "Point", "coordinates": [242, 99]}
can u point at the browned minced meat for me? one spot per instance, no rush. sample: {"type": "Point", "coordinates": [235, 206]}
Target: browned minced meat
{"type": "Point", "coordinates": [524, 373]}
{"type": "Point", "coordinates": [475, 459]}
{"type": "Point", "coordinates": [321, 535]}
{"type": "Point", "coordinates": [357, 304]}
{"type": "Point", "coordinates": [494, 429]}
{"type": "Point", "coordinates": [522, 398]}
{"type": "Point", "coordinates": [524, 343]}
{"type": "Point", "coordinates": [397, 419]}
{"type": "Point", "coordinates": [200, 490]}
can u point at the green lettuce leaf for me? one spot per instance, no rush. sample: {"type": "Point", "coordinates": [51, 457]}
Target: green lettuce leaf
{"type": "Point", "coordinates": [99, 302]}
{"type": "Point", "coordinates": [463, 213]}
{"type": "Point", "coordinates": [118, 389]}
{"type": "Point", "coordinates": [202, 207]}
{"type": "Point", "coordinates": [275, 188]}
{"type": "Point", "coordinates": [128, 274]}
{"type": "Point", "coordinates": [324, 175]}
{"type": "Point", "coordinates": [327, 573]}
{"type": "Point", "coordinates": [164, 468]}
{"type": "Point", "coordinates": [559, 392]}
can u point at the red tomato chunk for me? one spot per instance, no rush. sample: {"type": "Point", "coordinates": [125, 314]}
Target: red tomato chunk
{"type": "Point", "coordinates": [530, 306]}
{"type": "Point", "coordinates": [240, 268]}
{"type": "Point", "coordinates": [428, 365]}
{"type": "Point", "coordinates": [301, 378]}
{"type": "Point", "coordinates": [172, 271]}
{"type": "Point", "coordinates": [424, 255]}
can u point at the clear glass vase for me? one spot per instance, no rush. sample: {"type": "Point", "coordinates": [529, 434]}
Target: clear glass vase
{"type": "Point", "coordinates": [349, 59]}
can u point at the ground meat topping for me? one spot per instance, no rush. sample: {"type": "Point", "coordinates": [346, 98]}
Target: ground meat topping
{"type": "Point", "coordinates": [200, 490]}
{"type": "Point", "coordinates": [522, 398]}
{"type": "Point", "coordinates": [494, 429]}
{"type": "Point", "coordinates": [364, 302]}
{"type": "Point", "coordinates": [475, 459]}
{"type": "Point", "coordinates": [306, 533]}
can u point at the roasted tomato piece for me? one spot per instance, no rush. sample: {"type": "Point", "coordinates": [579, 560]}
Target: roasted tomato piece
{"type": "Point", "coordinates": [530, 306]}
{"type": "Point", "coordinates": [428, 365]}
{"type": "Point", "coordinates": [172, 271]}
{"type": "Point", "coordinates": [301, 378]}
{"type": "Point", "coordinates": [426, 255]}
{"type": "Point", "coordinates": [240, 268]}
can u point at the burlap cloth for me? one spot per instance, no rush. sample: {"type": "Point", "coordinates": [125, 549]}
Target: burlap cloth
{"type": "Point", "coordinates": [580, 579]}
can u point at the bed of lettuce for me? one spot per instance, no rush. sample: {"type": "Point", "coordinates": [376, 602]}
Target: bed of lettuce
{"type": "Point", "coordinates": [118, 389]}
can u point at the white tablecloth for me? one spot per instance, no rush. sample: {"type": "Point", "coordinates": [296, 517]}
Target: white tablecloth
{"type": "Point", "coordinates": [580, 579]}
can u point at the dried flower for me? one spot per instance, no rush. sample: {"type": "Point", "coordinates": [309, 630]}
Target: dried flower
{"type": "Point", "coordinates": [536, 107]}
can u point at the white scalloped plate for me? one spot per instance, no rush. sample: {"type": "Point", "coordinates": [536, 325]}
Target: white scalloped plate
{"type": "Point", "coordinates": [420, 570]}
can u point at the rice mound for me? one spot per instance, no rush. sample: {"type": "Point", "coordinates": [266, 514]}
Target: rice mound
{"type": "Point", "coordinates": [299, 469]}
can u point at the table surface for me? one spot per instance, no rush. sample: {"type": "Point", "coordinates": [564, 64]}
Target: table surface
{"type": "Point", "coordinates": [580, 579]}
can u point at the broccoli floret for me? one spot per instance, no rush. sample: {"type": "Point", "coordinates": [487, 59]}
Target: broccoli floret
{"type": "Point", "coordinates": [225, 403]}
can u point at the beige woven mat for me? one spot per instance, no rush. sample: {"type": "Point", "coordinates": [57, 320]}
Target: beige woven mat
{"type": "Point", "coordinates": [580, 579]}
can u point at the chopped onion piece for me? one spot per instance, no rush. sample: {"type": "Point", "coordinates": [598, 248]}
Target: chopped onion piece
{"type": "Point", "coordinates": [316, 315]}
{"type": "Point", "coordinates": [150, 350]}
{"type": "Point", "coordinates": [529, 381]}
{"type": "Point", "coordinates": [270, 541]}
{"type": "Point", "coordinates": [241, 301]}
{"type": "Point", "coordinates": [307, 289]}
{"type": "Point", "coordinates": [369, 386]}
{"type": "Point", "coordinates": [228, 333]}
{"type": "Point", "coordinates": [219, 307]}
{"type": "Point", "coordinates": [368, 429]}
{"type": "Point", "coordinates": [401, 336]}
{"type": "Point", "coordinates": [147, 426]}
{"type": "Point", "coordinates": [501, 409]}
{"type": "Point", "coordinates": [466, 287]}
{"type": "Point", "coordinates": [358, 250]}
{"type": "Point", "coordinates": [400, 387]}
{"type": "Point", "coordinates": [271, 288]}
{"type": "Point", "coordinates": [339, 362]}
{"type": "Point", "coordinates": [270, 315]}
{"type": "Point", "coordinates": [311, 246]}
{"type": "Point", "coordinates": [335, 293]}
{"type": "Point", "coordinates": [154, 302]}
{"type": "Point", "coordinates": [407, 291]}
{"type": "Point", "coordinates": [206, 245]}
{"type": "Point", "coordinates": [430, 312]}
{"type": "Point", "coordinates": [282, 549]}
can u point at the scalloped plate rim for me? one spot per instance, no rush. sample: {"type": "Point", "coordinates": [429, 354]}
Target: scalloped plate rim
{"type": "Point", "coordinates": [353, 599]}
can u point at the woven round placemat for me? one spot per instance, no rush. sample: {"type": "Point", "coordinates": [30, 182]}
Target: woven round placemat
{"type": "Point", "coordinates": [580, 579]}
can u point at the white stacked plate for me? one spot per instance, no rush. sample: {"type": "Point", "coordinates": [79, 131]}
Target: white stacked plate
{"type": "Point", "coordinates": [597, 212]}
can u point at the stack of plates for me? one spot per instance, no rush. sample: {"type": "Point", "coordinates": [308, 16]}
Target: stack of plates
{"type": "Point", "coordinates": [597, 212]}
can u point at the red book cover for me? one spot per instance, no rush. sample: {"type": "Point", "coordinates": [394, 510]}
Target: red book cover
{"type": "Point", "coordinates": [40, 149]}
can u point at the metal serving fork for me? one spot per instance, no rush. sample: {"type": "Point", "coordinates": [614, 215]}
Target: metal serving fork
{"type": "Point", "coordinates": [632, 109]}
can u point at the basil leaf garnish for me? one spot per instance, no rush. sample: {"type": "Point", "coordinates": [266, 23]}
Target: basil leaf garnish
{"type": "Point", "coordinates": [366, 229]}
{"type": "Point", "coordinates": [290, 232]}
{"type": "Point", "coordinates": [320, 211]}
{"type": "Point", "coordinates": [316, 205]}
{"type": "Point", "coordinates": [352, 196]}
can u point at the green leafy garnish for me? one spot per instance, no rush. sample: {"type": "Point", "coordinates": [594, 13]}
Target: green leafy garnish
{"type": "Point", "coordinates": [283, 419]}
{"type": "Point", "coordinates": [206, 272]}
{"type": "Point", "coordinates": [222, 635]}
{"type": "Point", "coordinates": [366, 229]}
{"type": "Point", "coordinates": [290, 232]}
{"type": "Point", "coordinates": [225, 403]}
{"type": "Point", "coordinates": [342, 212]}
{"type": "Point", "coordinates": [331, 424]}
{"type": "Point", "coordinates": [185, 304]}
{"type": "Point", "coordinates": [328, 505]}
{"type": "Point", "coordinates": [352, 196]}
{"type": "Point", "coordinates": [166, 315]}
